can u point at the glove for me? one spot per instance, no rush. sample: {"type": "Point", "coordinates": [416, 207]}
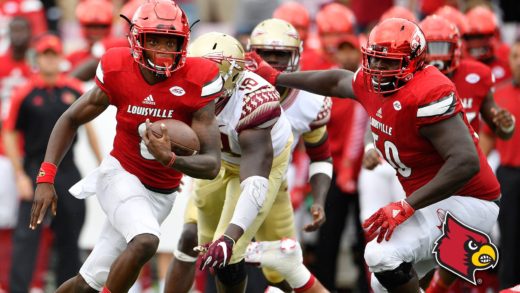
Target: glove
{"type": "Point", "coordinates": [256, 64]}
{"type": "Point", "coordinates": [386, 219]}
{"type": "Point", "coordinates": [218, 253]}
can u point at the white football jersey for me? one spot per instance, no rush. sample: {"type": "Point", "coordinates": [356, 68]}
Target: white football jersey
{"type": "Point", "coordinates": [255, 103]}
{"type": "Point", "coordinates": [306, 111]}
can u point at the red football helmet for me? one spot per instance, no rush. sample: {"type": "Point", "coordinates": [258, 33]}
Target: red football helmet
{"type": "Point", "coordinates": [395, 50]}
{"type": "Point", "coordinates": [295, 14]}
{"type": "Point", "coordinates": [482, 34]}
{"type": "Point", "coordinates": [399, 12]}
{"type": "Point", "coordinates": [334, 21]}
{"type": "Point", "coordinates": [444, 43]}
{"type": "Point", "coordinates": [95, 18]}
{"type": "Point", "coordinates": [159, 17]}
{"type": "Point", "coordinates": [454, 16]}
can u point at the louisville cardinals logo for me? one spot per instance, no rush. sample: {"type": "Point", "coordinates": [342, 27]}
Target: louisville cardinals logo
{"type": "Point", "coordinates": [463, 250]}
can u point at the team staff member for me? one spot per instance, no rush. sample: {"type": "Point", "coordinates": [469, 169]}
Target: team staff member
{"type": "Point", "coordinates": [34, 110]}
{"type": "Point", "coordinates": [508, 174]}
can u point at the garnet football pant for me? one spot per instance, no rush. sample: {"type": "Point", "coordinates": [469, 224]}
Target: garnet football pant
{"type": "Point", "coordinates": [508, 220]}
{"type": "Point", "coordinates": [216, 200]}
{"type": "Point", "coordinates": [66, 227]}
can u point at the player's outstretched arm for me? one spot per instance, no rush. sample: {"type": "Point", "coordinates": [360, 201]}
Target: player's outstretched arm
{"type": "Point", "coordinates": [498, 119]}
{"type": "Point", "coordinates": [206, 164]}
{"type": "Point", "coordinates": [453, 142]}
{"type": "Point", "coordinates": [86, 108]}
{"type": "Point", "coordinates": [331, 83]}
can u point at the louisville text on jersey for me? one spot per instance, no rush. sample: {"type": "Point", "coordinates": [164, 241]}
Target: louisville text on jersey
{"type": "Point", "coordinates": [153, 112]}
{"type": "Point", "coordinates": [382, 127]}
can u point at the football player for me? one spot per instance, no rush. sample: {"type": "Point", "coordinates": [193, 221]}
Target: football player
{"type": "Point", "coordinates": [474, 82]}
{"type": "Point", "coordinates": [278, 43]}
{"type": "Point", "coordinates": [137, 184]}
{"type": "Point", "coordinates": [248, 198]}
{"type": "Point", "coordinates": [418, 125]}
{"type": "Point", "coordinates": [482, 39]}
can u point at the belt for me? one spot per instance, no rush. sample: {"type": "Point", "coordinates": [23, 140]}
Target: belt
{"type": "Point", "coordinates": [162, 191]}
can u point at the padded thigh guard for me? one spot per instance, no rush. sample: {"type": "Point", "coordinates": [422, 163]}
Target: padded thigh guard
{"type": "Point", "coordinates": [396, 277]}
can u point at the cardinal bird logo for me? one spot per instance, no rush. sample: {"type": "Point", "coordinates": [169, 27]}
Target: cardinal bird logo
{"type": "Point", "coordinates": [463, 250]}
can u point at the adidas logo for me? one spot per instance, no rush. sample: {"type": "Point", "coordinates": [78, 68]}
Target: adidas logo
{"type": "Point", "coordinates": [379, 113]}
{"type": "Point", "coordinates": [149, 100]}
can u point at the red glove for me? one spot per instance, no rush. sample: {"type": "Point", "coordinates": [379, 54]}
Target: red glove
{"type": "Point", "coordinates": [387, 218]}
{"type": "Point", "coordinates": [259, 66]}
{"type": "Point", "coordinates": [218, 253]}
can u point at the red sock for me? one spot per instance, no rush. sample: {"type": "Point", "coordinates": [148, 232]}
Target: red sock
{"type": "Point", "coordinates": [307, 285]}
{"type": "Point", "coordinates": [105, 290]}
{"type": "Point", "coordinates": [437, 285]}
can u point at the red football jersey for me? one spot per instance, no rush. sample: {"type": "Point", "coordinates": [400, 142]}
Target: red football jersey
{"type": "Point", "coordinates": [188, 89]}
{"type": "Point", "coordinates": [395, 120]}
{"type": "Point", "coordinates": [473, 81]}
{"type": "Point", "coordinates": [501, 70]}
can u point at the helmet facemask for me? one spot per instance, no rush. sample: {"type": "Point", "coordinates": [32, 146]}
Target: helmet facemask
{"type": "Point", "coordinates": [443, 54]}
{"type": "Point", "coordinates": [231, 70]}
{"type": "Point", "coordinates": [480, 46]}
{"type": "Point", "coordinates": [384, 72]}
{"type": "Point", "coordinates": [161, 61]}
{"type": "Point", "coordinates": [286, 59]}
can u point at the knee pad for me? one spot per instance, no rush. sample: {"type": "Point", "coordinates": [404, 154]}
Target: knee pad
{"type": "Point", "coordinates": [396, 277]}
{"type": "Point", "coordinates": [232, 274]}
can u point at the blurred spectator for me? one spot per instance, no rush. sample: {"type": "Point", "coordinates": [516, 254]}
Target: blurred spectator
{"type": "Point", "coordinates": [13, 73]}
{"type": "Point", "coordinates": [30, 9]}
{"type": "Point", "coordinates": [35, 109]}
{"type": "Point", "coordinates": [508, 174]}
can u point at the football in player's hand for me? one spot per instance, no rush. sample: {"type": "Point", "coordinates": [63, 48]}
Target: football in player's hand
{"type": "Point", "coordinates": [184, 140]}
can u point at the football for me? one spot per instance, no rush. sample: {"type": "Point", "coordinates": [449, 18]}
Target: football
{"type": "Point", "coordinates": [184, 141]}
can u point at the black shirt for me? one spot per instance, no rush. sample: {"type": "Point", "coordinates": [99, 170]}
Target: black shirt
{"type": "Point", "coordinates": [35, 108]}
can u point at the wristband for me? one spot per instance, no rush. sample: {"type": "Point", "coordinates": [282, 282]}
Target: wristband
{"type": "Point", "coordinates": [47, 173]}
{"type": "Point", "coordinates": [172, 160]}
{"type": "Point", "coordinates": [510, 128]}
